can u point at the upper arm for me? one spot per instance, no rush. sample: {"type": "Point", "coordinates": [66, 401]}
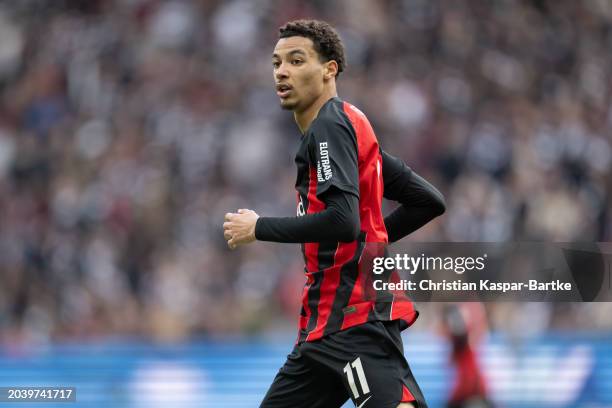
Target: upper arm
{"type": "Point", "coordinates": [396, 176]}
{"type": "Point", "coordinates": [333, 147]}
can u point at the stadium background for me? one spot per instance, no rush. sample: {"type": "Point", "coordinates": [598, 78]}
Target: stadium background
{"type": "Point", "coordinates": [129, 127]}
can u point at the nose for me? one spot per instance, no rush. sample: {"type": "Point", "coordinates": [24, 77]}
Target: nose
{"type": "Point", "coordinates": [281, 72]}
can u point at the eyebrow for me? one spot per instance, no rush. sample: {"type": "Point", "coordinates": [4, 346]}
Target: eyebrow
{"type": "Point", "coordinates": [291, 53]}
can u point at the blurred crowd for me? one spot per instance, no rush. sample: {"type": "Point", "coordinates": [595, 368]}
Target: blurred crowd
{"type": "Point", "coordinates": [129, 127]}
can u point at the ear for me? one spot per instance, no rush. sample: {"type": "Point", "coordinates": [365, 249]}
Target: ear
{"type": "Point", "coordinates": [331, 69]}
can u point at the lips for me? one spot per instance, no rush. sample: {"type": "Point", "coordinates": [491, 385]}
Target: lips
{"type": "Point", "coordinates": [283, 90]}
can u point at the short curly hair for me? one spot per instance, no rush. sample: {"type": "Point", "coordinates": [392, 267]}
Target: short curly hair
{"type": "Point", "coordinates": [326, 40]}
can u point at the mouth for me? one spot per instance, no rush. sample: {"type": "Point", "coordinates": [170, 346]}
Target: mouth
{"type": "Point", "coordinates": [283, 90]}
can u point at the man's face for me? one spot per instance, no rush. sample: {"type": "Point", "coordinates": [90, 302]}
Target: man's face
{"type": "Point", "coordinates": [298, 73]}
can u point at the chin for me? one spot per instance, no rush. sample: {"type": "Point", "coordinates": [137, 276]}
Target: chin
{"type": "Point", "coordinates": [286, 105]}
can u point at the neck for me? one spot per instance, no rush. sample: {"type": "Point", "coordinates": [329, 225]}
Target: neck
{"type": "Point", "coordinates": [305, 117]}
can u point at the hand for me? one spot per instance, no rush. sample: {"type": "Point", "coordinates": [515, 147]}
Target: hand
{"type": "Point", "coordinates": [239, 228]}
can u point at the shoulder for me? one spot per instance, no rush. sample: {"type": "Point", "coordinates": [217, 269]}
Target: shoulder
{"type": "Point", "coordinates": [338, 108]}
{"type": "Point", "coordinates": [332, 118]}
{"type": "Point", "coordinates": [353, 112]}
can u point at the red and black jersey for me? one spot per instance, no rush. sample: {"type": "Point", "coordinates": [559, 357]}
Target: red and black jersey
{"type": "Point", "coordinates": [340, 149]}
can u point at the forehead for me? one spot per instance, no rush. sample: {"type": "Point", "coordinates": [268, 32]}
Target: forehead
{"type": "Point", "coordinates": [292, 44]}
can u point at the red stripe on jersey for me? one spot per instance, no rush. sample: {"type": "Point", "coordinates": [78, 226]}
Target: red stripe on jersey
{"type": "Point", "coordinates": [358, 315]}
{"type": "Point", "coordinates": [329, 286]}
{"type": "Point", "coordinates": [303, 322]}
{"type": "Point", "coordinates": [407, 395]}
{"type": "Point", "coordinates": [311, 249]}
{"type": "Point", "coordinates": [358, 300]}
{"type": "Point", "coordinates": [403, 309]}
{"type": "Point", "coordinates": [371, 183]}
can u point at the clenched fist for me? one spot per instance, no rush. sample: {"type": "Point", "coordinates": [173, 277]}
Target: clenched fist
{"type": "Point", "coordinates": [239, 228]}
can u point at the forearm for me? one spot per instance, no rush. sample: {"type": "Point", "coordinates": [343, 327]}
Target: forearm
{"type": "Point", "coordinates": [339, 222]}
{"type": "Point", "coordinates": [405, 220]}
{"type": "Point", "coordinates": [319, 227]}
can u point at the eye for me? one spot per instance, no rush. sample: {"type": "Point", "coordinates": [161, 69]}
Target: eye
{"type": "Point", "coordinates": [296, 62]}
{"type": "Point", "coordinates": [275, 64]}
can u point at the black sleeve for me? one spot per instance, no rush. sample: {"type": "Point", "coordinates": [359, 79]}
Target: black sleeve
{"type": "Point", "coordinates": [339, 222]}
{"type": "Point", "coordinates": [333, 152]}
{"type": "Point", "coordinates": [420, 201]}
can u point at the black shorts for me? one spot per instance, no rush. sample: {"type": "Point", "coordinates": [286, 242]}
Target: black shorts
{"type": "Point", "coordinates": [365, 363]}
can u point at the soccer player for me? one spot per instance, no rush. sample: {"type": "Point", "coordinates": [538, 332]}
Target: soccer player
{"type": "Point", "coordinates": [465, 324]}
{"type": "Point", "coordinates": [349, 344]}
